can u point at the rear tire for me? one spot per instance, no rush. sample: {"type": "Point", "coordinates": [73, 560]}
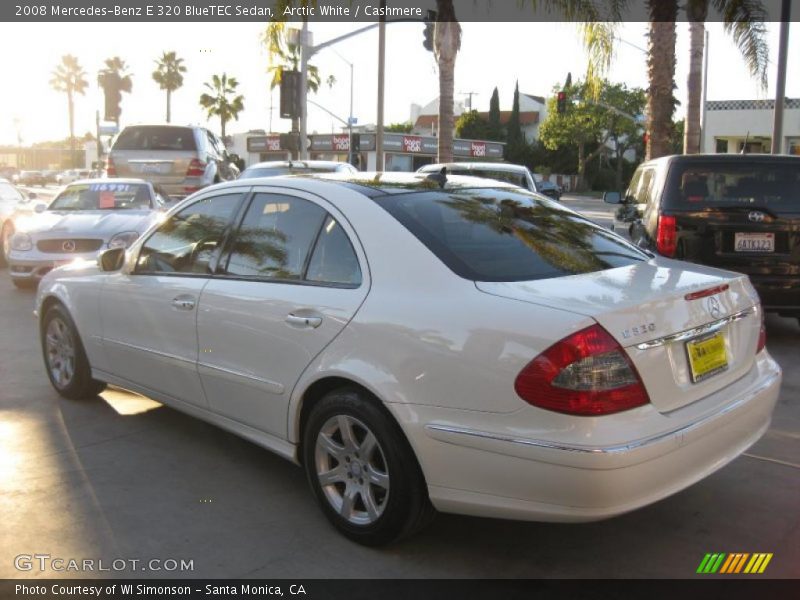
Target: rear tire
{"type": "Point", "coordinates": [362, 470]}
{"type": "Point", "coordinates": [64, 357]}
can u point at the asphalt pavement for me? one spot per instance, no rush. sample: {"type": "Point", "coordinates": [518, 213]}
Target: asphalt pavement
{"type": "Point", "coordinates": [123, 477]}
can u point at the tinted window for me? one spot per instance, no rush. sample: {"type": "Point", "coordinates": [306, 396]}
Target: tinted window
{"type": "Point", "coordinates": [103, 196]}
{"type": "Point", "coordinates": [646, 188]}
{"type": "Point", "coordinates": [502, 235]}
{"type": "Point", "coordinates": [333, 259]}
{"type": "Point", "coordinates": [774, 187]}
{"type": "Point", "coordinates": [507, 176]}
{"type": "Point", "coordinates": [156, 138]}
{"type": "Point", "coordinates": [188, 241]}
{"type": "Point", "coordinates": [275, 237]}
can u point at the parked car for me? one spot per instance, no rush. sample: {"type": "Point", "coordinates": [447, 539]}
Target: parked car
{"type": "Point", "coordinates": [30, 178]}
{"type": "Point", "coordinates": [548, 188]}
{"type": "Point", "coordinates": [737, 212]}
{"type": "Point", "coordinates": [180, 159]}
{"type": "Point", "coordinates": [424, 341]}
{"type": "Point", "coordinates": [50, 176]}
{"type": "Point", "coordinates": [274, 168]}
{"type": "Point", "coordinates": [72, 175]}
{"type": "Point", "coordinates": [86, 218]}
{"type": "Point", "coordinates": [518, 175]}
{"type": "Point", "coordinates": [12, 201]}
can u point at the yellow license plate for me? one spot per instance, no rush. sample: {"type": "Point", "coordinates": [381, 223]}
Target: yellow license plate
{"type": "Point", "coordinates": [707, 356]}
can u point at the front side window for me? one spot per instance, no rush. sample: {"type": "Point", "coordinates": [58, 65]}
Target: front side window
{"type": "Point", "coordinates": [188, 241]}
{"type": "Point", "coordinates": [275, 237]}
{"type": "Point", "coordinates": [507, 235]}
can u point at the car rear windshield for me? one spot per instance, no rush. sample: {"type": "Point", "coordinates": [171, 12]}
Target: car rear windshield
{"type": "Point", "coordinates": [503, 235]}
{"type": "Point", "coordinates": [103, 196]}
{"type": "Point", "coordinates": [156, 138]}
{"type": "Point", "coordinates": [9, 192]}
{"type": "Point", "coordinates": [277, 171]}
{"type": "Point", "coordinates": [774, 187]}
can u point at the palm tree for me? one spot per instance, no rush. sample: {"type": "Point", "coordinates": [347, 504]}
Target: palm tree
{"type": "Point", "coordinates": [220, 104]}
{"type": "Point", "coordinates": [661, 76]}
{"type": "Point", "coordinates": [446, 44]}
{"type": "Point", "coordinates": [169, 76]}
{"type": "Point", "coordinates": [114, 79]}
{"type": "Point", "coordinates": [744, 20]}
{"type": "Point", "coordinates": [69, 77]}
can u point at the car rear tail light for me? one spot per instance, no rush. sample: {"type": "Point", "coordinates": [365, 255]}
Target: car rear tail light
{"type": "Point", "coordinates": [587, 373]}
{"type": "Point", "coordinates": [666, 235]}
{"type": "Point", "coordinates": [111, 168]}
{"type": "Point", "coordinates": [762, 335]}
{"type": "Point", "coordinates": [197, 168]}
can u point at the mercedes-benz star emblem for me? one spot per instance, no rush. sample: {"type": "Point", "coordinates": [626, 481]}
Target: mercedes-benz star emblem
{"type": "Point", "coordinates": [756, 216]}
{"type": "Point", "coordinates": [68, 246]}
{"type": "Point", "coordinates": [713, 308]}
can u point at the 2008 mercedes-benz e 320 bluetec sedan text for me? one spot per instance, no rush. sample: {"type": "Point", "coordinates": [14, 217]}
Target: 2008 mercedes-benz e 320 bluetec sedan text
{"type": "Point", "coordinates": [424, 341]}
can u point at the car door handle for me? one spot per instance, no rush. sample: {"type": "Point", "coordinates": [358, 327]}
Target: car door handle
{"type": "Point", "coordinates": [303, 322]}
{"type": "Point", "coordinates": [183, 302]}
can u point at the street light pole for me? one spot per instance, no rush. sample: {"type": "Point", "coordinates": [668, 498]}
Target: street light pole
{"type": "Point", "coordinates": [379, 157]}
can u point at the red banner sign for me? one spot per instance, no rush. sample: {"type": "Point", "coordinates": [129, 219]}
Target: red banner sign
{"type": "Point", "coordinates": [273, 143]}
{"type": "Point", "coordinates": [341, 142]}
{"type": "Point", "coordinates": [478, 149]}
{"type": "Point", "coordinates": [412, 143]}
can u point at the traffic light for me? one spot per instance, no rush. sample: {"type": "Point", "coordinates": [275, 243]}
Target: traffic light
{"type": "Point", "coordinates": [112, 90]}
{"type": "Point", "coordinates": [355, 151]}
{"type": "Point", "coordinates": [290, 95]}
{"type": "Point", "coordinates": [561, 103]}
{"type": "Point", "coordinates": [430, 24]}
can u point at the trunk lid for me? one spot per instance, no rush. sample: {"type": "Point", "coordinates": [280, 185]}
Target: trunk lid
{"type": "Point", "coordinates": [644, 306]}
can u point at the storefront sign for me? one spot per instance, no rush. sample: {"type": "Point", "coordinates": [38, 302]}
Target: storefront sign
{"type": "Point", "coordinates": [341, 142]}
{"type": "Point", "coordinates": [264, 143]}
{"type": "Point", "coordinates": [478, 149]}
{"type": "Point", "coordinates": [412, 143]}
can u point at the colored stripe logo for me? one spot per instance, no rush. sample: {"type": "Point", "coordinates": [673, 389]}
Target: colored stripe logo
{"type": "Point", "coordinates": [734, 563]}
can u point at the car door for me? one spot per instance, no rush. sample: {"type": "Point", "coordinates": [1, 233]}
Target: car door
{"type": "Point", "coordinates": [644, 207]}
{"type": "Point", "coordinates": [149, 316]}
{"type": "Point", "coordinates": [292, 278]}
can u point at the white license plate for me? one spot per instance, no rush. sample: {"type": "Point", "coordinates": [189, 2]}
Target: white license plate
{"type": "Point", "coordinates": [754, 242]}
{"type": "Point", "coordinates": [154, 168]}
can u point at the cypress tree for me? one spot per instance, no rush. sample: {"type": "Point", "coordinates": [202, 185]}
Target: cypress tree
{"type": "Point", "coordinates": [495, 127]}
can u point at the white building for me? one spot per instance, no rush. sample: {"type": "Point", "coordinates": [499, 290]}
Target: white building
{"type": "Point", "coordinates": [730, 122]}
{"type": "Point", "coordinates": [532, 111]}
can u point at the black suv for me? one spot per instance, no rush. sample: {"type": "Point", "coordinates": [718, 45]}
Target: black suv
{"type": "Point", "coordinates": [736, 212]}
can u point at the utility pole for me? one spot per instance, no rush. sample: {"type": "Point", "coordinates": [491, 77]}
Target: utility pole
{"type": "Point", "coordinates": [305, 43]}
{"type": "Point", "coordinates": [780, 88]}
{"type": "Point", "coordinates": [469, 96]}
{"type": "Point", "coordinates": [379, 157]}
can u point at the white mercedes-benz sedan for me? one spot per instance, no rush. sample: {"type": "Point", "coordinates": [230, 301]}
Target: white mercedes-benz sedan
{"type": "Point", "coordinates": [420, 342]}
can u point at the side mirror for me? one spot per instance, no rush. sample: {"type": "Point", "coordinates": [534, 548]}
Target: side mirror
{"type": "Point", "coordinates": [40, 208]}
{"type": "Point", "coordinates": [32, 196]}
{"type": "Point", "coordinates": [611, 197]}
{"type": "Point", "coordinates": [111, 259]}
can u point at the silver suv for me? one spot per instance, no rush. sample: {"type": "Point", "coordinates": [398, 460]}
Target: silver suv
{"type": "Point", "coordinates": [180, 159]}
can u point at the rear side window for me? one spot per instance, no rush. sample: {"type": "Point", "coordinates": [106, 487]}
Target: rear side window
{"type": "Point", "coordinates": [156, 138]}
{"type": "Point", "coordinates": [501, 235]}
{"type": "Point", "coordinates": [773, 187]}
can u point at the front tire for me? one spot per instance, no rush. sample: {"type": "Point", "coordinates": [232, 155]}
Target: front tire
{"type": "Point", "coordinates": [64, 357]}
{"type": "Point", "coordinates": [362, 470]}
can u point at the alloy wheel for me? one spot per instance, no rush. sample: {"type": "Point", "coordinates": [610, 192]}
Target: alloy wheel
{"type": "Point", "coordinates": [60, 351]}
{"type": "Point", "coordinates": [351, 470]}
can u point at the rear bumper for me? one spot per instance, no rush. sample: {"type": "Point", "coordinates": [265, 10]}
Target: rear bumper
{"type": "Point", "coordinates": [778, 294]}
{"type": "Point", "coordinates": [508, 474]}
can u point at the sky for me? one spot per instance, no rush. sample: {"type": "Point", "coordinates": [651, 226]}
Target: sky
{"type": "Point", "coordinates": [538, 55]}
